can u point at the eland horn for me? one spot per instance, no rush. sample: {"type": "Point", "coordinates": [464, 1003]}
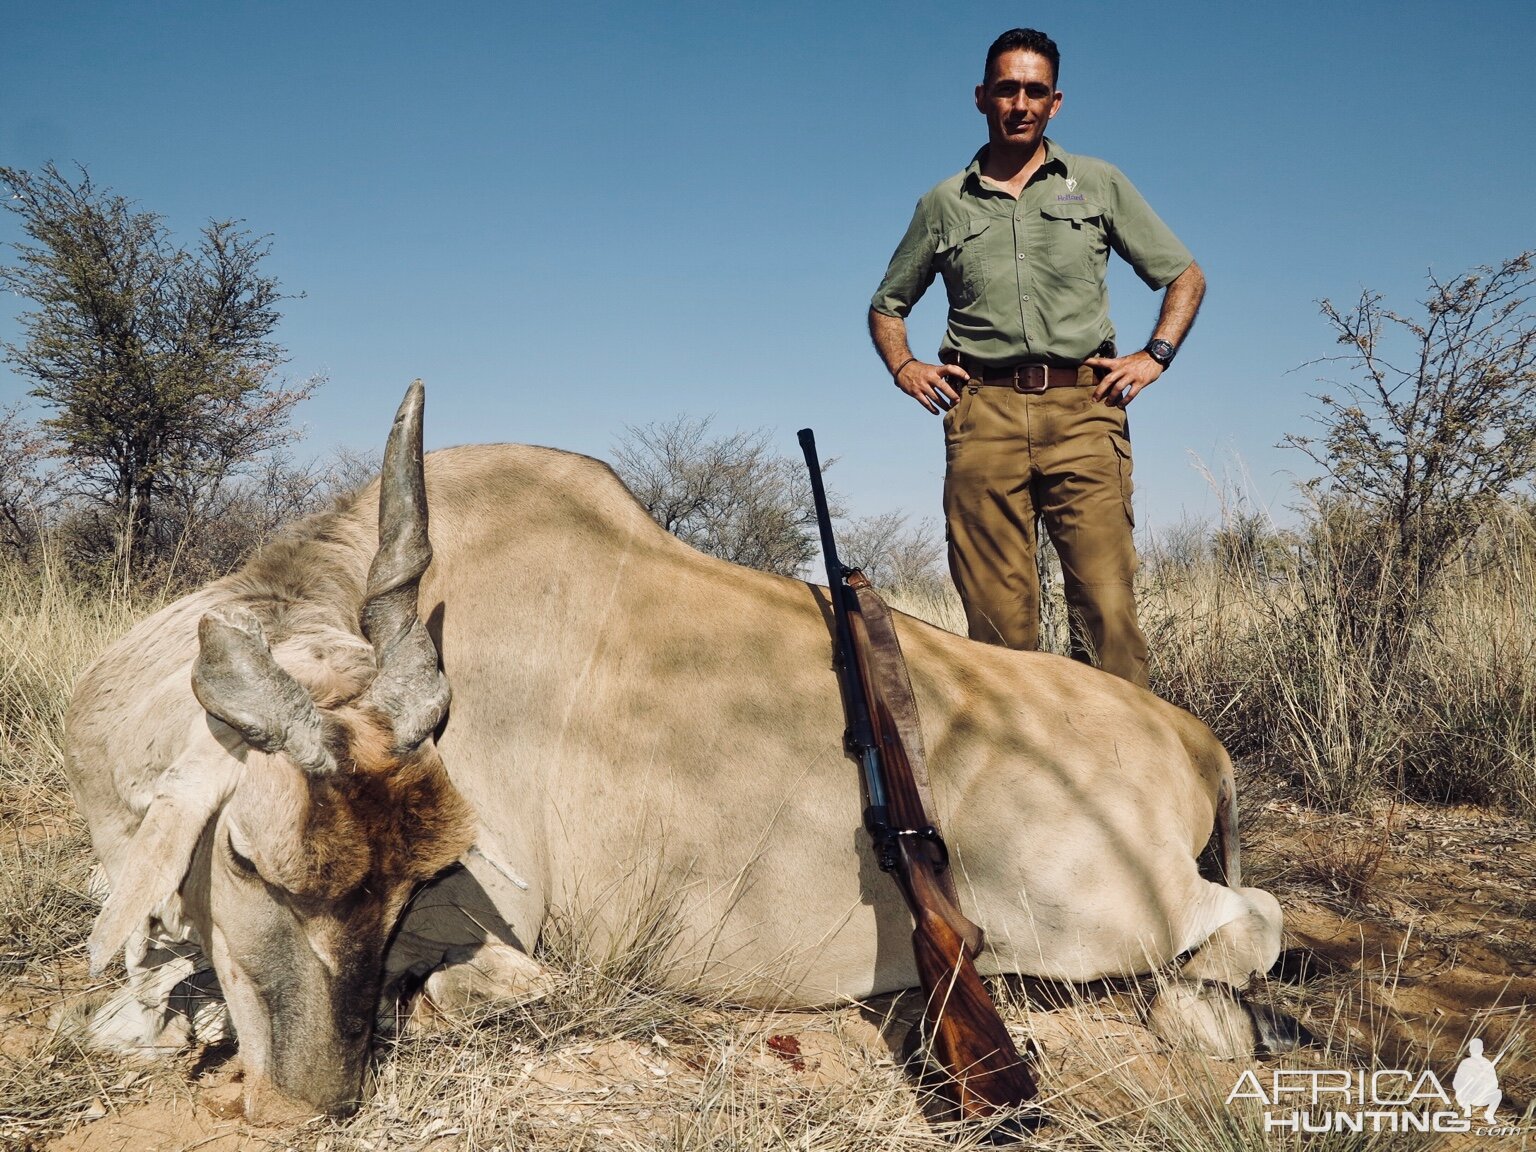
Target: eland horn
{"type": "Point", "coordinates": [408, 689]}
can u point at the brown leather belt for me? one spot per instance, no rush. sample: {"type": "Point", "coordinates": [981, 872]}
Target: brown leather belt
{"type": "Point", "coordinates": [1030, 378]}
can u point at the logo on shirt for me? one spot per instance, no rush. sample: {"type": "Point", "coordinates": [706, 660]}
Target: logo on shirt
{"type": "Point", "coordinates": [1071, 183]}
{"type": "Point", "coordinates": [1074, 198]}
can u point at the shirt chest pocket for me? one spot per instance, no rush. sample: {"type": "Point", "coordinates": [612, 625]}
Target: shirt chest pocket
{"type": "Point", "coordinates": [1075, 239]}
{"type": "Point", "coordinates": [960, 255]}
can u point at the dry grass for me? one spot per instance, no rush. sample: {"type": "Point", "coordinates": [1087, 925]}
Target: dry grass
{"type": "Point", "coordinates": [1257, 644]}
{"type": "Point", "coordinates": [1253, 639]}
{"type": "Point", "coordinates": [1347, 866]}
{"type": "Point", "coordinates": [612, 1059]}
{"type": "Point", "coordinates": [49, 631]}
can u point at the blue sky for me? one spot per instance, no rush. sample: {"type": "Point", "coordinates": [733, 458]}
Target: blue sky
{"type": "Point", "coordinates": [571, 218]}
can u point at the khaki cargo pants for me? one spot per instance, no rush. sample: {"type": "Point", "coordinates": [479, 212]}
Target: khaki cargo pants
{"type": "Point", "coordinates": [1059, 456]}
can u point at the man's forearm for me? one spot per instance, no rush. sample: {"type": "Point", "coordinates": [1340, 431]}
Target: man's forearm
{"type": "Point", "coordinates": [1181, 303]}
{"type": "Point", "coordinates": [934, 386]}
{"type": "Point", "coordinates": [890, 336]}
{"type": "Point", "coordinates": [1122, 378]}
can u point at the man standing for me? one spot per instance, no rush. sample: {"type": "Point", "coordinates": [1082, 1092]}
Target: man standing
{"type": "Point", "coordinates": [1032, 392]}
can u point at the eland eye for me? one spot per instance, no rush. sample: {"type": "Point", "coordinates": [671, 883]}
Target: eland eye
{"type": "Point", "coordinates": [241, 861]}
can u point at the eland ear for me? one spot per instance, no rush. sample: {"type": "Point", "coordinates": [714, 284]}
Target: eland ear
{"type": "Point", "coordinates": [190, 795]}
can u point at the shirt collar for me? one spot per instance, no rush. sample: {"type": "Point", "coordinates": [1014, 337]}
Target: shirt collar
{"type": "Point", "coordinates": [1057, 160]}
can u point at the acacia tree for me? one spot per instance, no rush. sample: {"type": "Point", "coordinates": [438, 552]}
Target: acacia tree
{"type": "Point", "coordinates": [731, 496]}
{"type": "Point", "coordinates": [157, 361]}
{"type": "Point", "coordinates": [1433, 429]}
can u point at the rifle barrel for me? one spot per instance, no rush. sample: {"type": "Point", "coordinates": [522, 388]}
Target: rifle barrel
{"type": "Point", "coordinates": [861, 730]}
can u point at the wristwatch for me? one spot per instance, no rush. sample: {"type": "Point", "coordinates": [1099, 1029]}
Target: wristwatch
{"type": "Point", "coordinates": [1161, 351]}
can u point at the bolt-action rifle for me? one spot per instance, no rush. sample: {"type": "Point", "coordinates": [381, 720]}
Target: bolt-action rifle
{"type": "Point", "coordinates": [965, 1034]}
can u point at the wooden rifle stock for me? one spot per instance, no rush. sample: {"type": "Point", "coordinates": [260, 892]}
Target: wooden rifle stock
{"type": "Point", "coordinates": [965, 1034]}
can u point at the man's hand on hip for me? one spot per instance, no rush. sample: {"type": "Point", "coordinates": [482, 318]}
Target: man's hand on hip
{"type": "Point", "coordinates": [1124, 377]}
{"type": "Point", "coordinates": [934, 386]}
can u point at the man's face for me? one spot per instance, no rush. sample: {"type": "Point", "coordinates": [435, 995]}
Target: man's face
{"type": "Point", "coordinates": [1018, 99]}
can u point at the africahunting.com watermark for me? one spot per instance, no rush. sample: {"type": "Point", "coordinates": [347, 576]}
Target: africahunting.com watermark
{"type": "Point", "coordinates": [1381, 1100]}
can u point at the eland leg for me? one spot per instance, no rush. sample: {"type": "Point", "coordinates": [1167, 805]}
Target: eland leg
{"type": "Point", "coordinates": [1202, 1007]}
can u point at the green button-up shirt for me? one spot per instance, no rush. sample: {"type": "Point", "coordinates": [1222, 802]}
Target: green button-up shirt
{"type": "Point", "coordinates": [1025, 277]}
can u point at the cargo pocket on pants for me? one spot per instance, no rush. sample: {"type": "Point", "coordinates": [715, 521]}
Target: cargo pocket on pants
{"type": "Point", "coordinates": [1121, 444]}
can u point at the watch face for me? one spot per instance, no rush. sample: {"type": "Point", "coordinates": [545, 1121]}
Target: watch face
{"type": "Point", "coordinates": [1161, 351]}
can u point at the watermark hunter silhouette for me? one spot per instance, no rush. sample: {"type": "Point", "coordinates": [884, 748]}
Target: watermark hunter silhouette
{"type": "Point", "coordinates": [1476, 1083]}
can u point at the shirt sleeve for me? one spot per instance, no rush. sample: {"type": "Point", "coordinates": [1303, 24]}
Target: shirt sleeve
{"type": "Point", "coordinates": [1141, 238]}
{"type": "Point", "coordinates": [911, 268]}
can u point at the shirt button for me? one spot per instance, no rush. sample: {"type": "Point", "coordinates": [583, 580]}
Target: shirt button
{"type": "Point", "coordinates": [1021, 255]}
{"type": "Point", "coordinates": [1024, 297]}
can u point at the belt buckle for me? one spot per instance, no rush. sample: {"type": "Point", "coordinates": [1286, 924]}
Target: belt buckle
{"type": "Point", "coordinates": [1021, 377]}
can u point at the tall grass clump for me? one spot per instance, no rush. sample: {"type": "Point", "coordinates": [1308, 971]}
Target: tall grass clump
{"type": "Point", "coordinates": [1472, 714]}
{"type": "Point", "coordinates": [50, 629]}
{"type": "Point", "coordinates": [1301, 661]}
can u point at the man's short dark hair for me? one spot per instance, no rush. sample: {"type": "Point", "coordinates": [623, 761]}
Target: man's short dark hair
{"type": "Point", "coordinates": [1026, 40]}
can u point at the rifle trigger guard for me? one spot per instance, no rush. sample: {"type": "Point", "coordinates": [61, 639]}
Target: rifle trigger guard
{"type": "Point", "coordinates": [929, 834]}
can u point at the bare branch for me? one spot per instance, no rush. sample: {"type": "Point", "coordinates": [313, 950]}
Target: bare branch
{"type": "Point", "coordinates": [731, 496]}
